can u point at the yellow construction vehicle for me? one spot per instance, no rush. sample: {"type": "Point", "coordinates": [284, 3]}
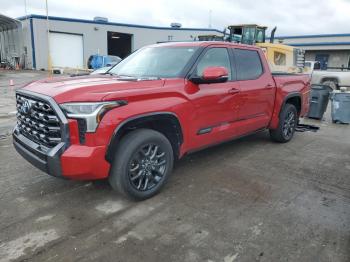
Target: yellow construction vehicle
{"type": "Point", "coordinates": [282, 58]}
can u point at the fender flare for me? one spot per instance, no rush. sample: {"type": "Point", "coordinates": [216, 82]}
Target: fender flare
{"type": "Point", "coordinates": [148, 116]}
{"type": "Point", "coordinates": [290, 95]}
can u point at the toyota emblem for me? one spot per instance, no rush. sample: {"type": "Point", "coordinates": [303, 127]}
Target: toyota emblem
{"type": "Point", "coordinates": [25, 108]}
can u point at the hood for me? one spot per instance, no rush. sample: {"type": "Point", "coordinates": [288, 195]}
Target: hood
{"type": "Point", "coordinates": [91, 88]}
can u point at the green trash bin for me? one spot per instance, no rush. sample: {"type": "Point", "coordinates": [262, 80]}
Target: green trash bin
{"type": "Point", "coordinates": [319, 100]}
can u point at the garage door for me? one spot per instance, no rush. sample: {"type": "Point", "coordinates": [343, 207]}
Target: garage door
{"type": "Point", "coordinates": [66, 50]}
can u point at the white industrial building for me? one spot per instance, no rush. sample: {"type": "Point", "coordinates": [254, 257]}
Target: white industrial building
{"type": "Point", "coordinates": [72, 41]}
{"type": "Point", "coordinates": [331, 50]}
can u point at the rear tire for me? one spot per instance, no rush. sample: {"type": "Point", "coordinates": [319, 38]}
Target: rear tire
{"type": "Point", "coordinates": [287, 124]}
{"type": "Point", "coordinates": [142, 164]}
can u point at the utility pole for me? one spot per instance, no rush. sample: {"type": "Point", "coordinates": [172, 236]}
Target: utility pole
{"type": "Point", "coordinates": [210, 12]}
{"type": "Point", "coordinates": [49, 66]}
{"type": "Point", "coordinates": [24, 40]}
{"type": "Point", "coordinates": [25, 9]}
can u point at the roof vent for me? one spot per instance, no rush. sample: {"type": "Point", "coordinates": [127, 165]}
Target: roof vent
{"type": "Point", "coordinates": [101, 19]}
{"type": "Point", "coordinates": [176, 25]}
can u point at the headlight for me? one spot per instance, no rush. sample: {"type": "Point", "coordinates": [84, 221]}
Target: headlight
{"type": "Point", "coordinates": [92, 113]}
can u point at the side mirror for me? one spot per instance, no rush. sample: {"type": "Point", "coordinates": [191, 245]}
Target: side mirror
{"type": "Point", "coordinates": [212, 74]}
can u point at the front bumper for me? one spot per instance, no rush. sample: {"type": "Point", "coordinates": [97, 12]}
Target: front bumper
{"type": "Point", "coordinates": [47, 160]}
{"type": "Point", "coordinates": [68, 158]}
{"type": "Point", "coordinates": [77, 162]}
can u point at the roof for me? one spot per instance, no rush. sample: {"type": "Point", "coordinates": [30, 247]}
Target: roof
{"type": "Point", "coordinates": [276, 46]}
{"type": "Point", "coordinates": [8, 23]}
{"type": "Point", "coordinates": [205, 44]}
{"type": "Point", "coordinates": [65, 19]}
{"type": "Point", "coordinates": [311, 36]}
{"type": "Point", "coordinates": [247, 25]}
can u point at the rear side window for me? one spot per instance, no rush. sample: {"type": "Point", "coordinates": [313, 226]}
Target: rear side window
{"type": "Point", "coordinates": [248, 64]}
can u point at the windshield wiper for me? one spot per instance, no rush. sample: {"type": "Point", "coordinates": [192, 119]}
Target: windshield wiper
{"type": "Point", "coordinates": [135, 78]}
{"type": "Point", "coordinates": [149, 78]}
{"type": "Point", "coordinates": [127, 77]}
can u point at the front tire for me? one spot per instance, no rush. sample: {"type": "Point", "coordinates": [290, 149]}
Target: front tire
{"type": "Point", "coordinates": [142, 164]}
{"type": "Point", "coordinates": [287, 124]}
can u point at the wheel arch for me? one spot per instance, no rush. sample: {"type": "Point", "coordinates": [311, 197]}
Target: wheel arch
{"type": "Point", "coordinates": [295, 99]}
{"type": "Point", "coordinates": [166, 123]}
{"type": "Point", "coordinates": [330, 78]}
{"type": "Point", "coordinates": [333, 79]}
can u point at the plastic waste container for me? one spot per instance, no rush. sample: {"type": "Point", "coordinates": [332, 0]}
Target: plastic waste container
{"type": "Point", "coordinates": [341, 106]}
{"type": "Point", "coordinates": [319, 100]}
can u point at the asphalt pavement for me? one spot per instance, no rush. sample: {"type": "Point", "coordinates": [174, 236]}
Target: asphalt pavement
{"type": "Point", "coordinates": [245, 200]}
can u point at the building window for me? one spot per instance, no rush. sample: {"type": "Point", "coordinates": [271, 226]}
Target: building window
{"type": "Point", "coordinates": [279, 58]}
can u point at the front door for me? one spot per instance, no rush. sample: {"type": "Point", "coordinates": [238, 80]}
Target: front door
{"type": "Point", "coordinates": [323, 59]}
{"type": "Point", "coordinates": [215, 104]}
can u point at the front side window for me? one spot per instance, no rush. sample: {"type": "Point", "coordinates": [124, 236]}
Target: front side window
{"type": "Point", "coordinates": [161, 62]}
{"type": "Point", "coordinates": [260, 37]}
{"type": "Point", "coordinates": [214, 57]}
{"type": "Point", "coordinates": [248, 35]}
{"type": "Point", "coordinates": [248, 64]}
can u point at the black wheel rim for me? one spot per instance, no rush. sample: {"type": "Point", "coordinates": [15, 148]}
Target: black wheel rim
{"type": "Point", "coordinates": [289, 125]}
{"type": "Point", "coordinates": [147, 167]}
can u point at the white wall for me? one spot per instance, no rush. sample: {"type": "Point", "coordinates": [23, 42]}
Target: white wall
{"type": "Point", "coordinates": [336, 58]}
{"type": "Point", "coordinates": [95, 36]}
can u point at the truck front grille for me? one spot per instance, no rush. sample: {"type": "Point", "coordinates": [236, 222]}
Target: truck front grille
{"type": "Point", "coordinates": [38, 121]}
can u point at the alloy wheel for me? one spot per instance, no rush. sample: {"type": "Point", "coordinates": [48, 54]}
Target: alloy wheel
{"type": "Point", "coordinates": [147, 167]}
{"type": "Point", "coordinates": [289, 125]}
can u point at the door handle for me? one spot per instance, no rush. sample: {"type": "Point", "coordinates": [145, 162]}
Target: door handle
{"type": "Point", "coordinates": [269, 86]}
{"type": "Point", "coordinates": [233, 91]}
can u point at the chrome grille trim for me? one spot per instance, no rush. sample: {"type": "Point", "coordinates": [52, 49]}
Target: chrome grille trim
{"type": "Point", "coordinates": [44, 124]}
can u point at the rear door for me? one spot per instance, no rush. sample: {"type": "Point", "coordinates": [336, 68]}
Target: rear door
{"type": "Point", "coordinates": [257, 90]}
{"type": "Point", "coordinates": [215, 104]}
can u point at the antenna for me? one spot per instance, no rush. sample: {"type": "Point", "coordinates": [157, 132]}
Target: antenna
{"type": "Point", "coordinates": [25, 8]}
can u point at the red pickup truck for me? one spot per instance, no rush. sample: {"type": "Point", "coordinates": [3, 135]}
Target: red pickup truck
{"type": "Point", "coordinates": [160, 103]}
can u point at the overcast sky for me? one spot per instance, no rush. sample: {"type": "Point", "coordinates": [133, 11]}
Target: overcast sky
{"type": "Point", "coordinates": [292, 17]}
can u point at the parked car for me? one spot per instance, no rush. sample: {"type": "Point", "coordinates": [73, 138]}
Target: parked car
{"type": "Point", "coordinates": [162, 102]}
{"type": "Point", "coordinates": [332, 77]}
{"type": "Point", "coordinates": [101, 70]}
{"type": "Point", "coordinates": [99, 61]}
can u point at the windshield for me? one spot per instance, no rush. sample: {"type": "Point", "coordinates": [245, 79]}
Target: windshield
{"type": "Point", "coordinates": [160, 62]}
{"type": "Point", "coordinates": [307, 64]}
